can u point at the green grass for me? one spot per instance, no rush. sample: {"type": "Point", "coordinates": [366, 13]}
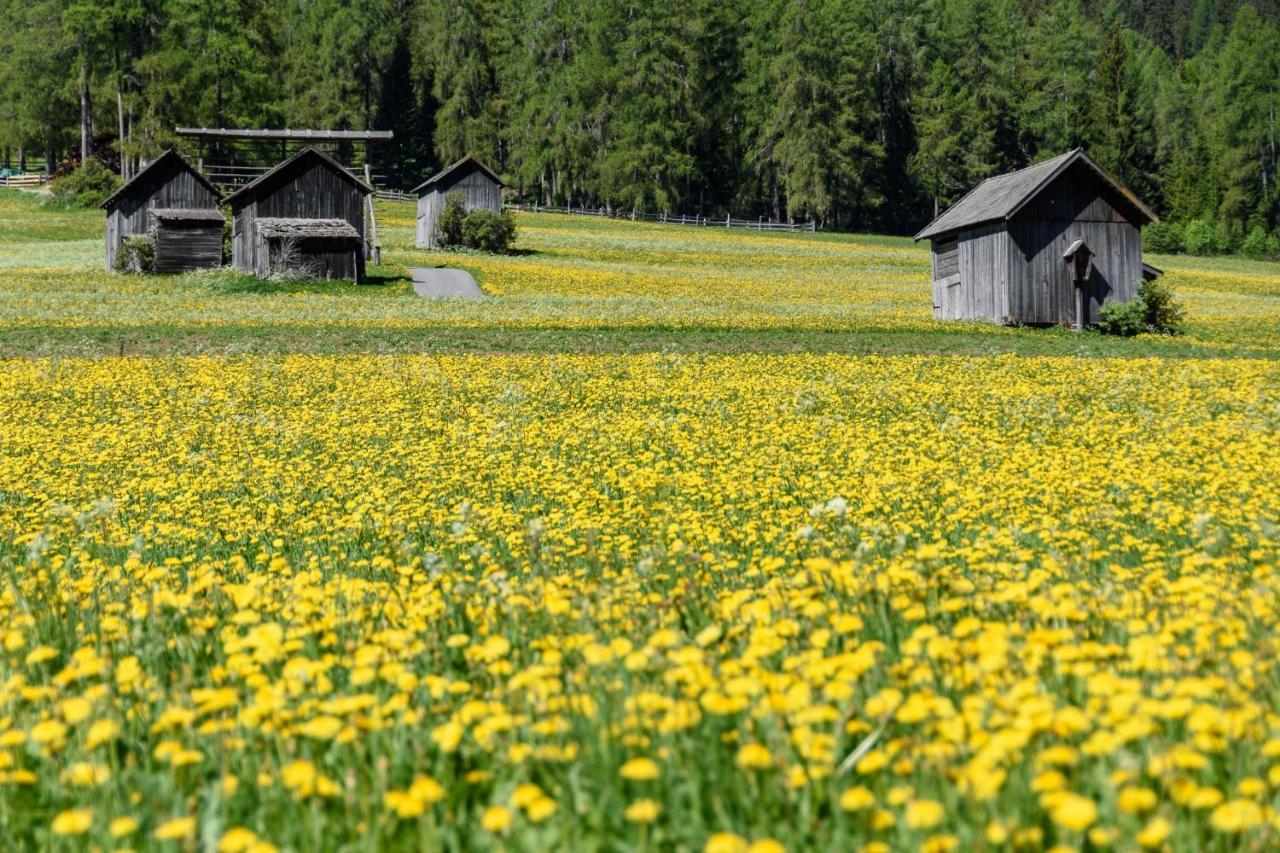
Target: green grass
{"type": "Point", "coordinates": [576, 284]}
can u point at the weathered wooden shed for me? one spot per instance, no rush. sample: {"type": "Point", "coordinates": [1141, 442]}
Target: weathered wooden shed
{"type": "Point", "coordinates": [1045, 245]}
{"type": "Point", "coordinates": [477, 184]}
{"type": "Point", "coordinates": [306, 214]}
{"type": "Point", "coordinates": [176, 206]}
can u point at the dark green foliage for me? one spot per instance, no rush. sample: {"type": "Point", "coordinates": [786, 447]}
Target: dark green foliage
{"type": "Point", "coordinates": [487, 231]}
{"type": "Point", "coordinates": [482, 230]}
{"type": "Point", "coordinates": [862, 114]}
{"type": "Point", "coordinates": [1162, 237]}
{"type": "Point", "coordinates": [1203, 237]}
{"type": "Point", "coordinates": [1164, 314]}
{"type": "Point", "coordinates": [86, 187]}
{"type": "Point", "coordinates": [449, 225]}
{"type": "Point", "coordinates": [1260, 244]}
{"type": "Point", "coordinates": [137, 254]}
{"type": "Point", "coordinates": [1153, 310]}
{"type": "Point", "coordinates": [1123, 319]}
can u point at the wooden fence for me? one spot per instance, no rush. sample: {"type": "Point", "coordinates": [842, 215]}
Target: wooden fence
{"type": "Point", "coordinates": [27, 181]}
{"type": "Point", "coordinates": [760, 224]}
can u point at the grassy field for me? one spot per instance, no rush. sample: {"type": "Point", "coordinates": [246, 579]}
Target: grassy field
{"type": "Point", "coordinates": [578, 285]}
{"type": "Point", "coordinates": [686, 539]}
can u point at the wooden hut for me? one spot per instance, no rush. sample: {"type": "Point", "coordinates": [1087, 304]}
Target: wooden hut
{"type": "Point", "coordinates": [305, 215]}
{"type": "Point", "coordinates": [477, 185]}
{"type": "Point", "coordinates": [176, 206]}
{"type": "Point", "coordinates": [1044, 245]}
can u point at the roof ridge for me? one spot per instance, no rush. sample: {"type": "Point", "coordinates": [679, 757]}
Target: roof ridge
{"type": "Point", "coordinates": [289, 161]}
{"type": "Point", "coordinates": [217, 194]}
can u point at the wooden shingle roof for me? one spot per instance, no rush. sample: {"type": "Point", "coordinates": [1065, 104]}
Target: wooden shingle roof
{"type": "Point", "coordinates": [328, 228]}
{"type": "Point", "coordinates": [456, 167]}
{"type": "Point", "coordinates": [293, 162]}
{"type": "Point", "coordinates": [167, 158]}
{"type": "Point", "coordinates": [177, 214]}
{"type": "Point", "coordinates": [1001, 197]}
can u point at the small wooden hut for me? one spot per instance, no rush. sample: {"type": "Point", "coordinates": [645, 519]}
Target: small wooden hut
{"type": "Point", "coordinates": [176, 206]}
{"type": "Point", "coordinates": [1045, 245]}
{"type": "Point", "coordinates": [478, 186]}
{"type": "Point", "coordinates": [305, 215]}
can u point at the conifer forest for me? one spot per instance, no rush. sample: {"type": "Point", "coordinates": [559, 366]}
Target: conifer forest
{"type": "Point", "coordinates": [864, 115]}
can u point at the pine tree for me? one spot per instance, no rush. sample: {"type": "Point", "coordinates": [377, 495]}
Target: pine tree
{"type": "Point", "coordinates": [1061, 55]}
{"type": "Point", "coordinates": [649, 137]}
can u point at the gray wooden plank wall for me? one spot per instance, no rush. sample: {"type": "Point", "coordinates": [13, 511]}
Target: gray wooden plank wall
{"type": "Point", "coordinates": [312, 191]}
{"type": "Point", "coordinates": [183, 247]}
{"type": "Point", "coordinates": [478, 191]}
{"type": "Point", "coordinates": [170, 185]}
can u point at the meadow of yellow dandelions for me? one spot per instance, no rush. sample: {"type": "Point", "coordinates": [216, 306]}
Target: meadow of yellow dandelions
{"type": "Point", "coordinates": [710, 603]}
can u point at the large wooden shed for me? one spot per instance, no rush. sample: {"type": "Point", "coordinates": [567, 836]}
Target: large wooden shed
{"type": "Point", "coordinates": [479, 187]}
{"type": "Point", "coordinates": [1045, 245]}
{"type": "Point", "coordinates": [175, 205]}
{"type": "Point", "coordinates": [305, 215]}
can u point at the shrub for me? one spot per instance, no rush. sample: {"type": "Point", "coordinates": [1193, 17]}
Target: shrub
{"type": "Point", "coordinates": [483, 230]}
{"type": "Point", "coordinates": [137, 254]}
{"type": "Point", "coordinates": [488, 231]}
{"type": "Point", "coordinates": [86, 187]}
{"type": "Point", "coordinates": [1260, 244]}
{"type": "Point", "coordinates": [1164, 314]}
{"type": "Point", "coordinates": [1162, 237]}
{"type": "Point", "coordinates": [1202, 237]}
{"type": "Point", "coordinates": [1153, 310]}
{"type": "Point", "coordinates": [1124, 319]}
{"type": "Point", "coordinates": [449, 228]}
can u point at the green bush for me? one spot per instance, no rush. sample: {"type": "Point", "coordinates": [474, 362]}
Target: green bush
{"type": "Point", "coordinates": [482, 230]}
{"type": "Point", "coordinates": [1153, 310]}
{"type": "Point", "coordinates": [1260, 244]}
{"type": "Point", "coordinates": [1203, 237]}
{"type": "Point", "coordinates": [488, 231]}
{"type": "Point", "coordinates": [449, 227]}
{"type": "Point", "coordinates": [1164, 314]}
{"type": "Point", "coordinates": [1123, 319]}
{"type": "Point", "coordinates": [137, 254]}
{"type": "Point", "coordinates": [1162, 237]}
{"type": "Point", "coordinates": [86, 187]}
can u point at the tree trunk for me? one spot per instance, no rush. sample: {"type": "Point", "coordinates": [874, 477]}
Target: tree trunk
{"type": "Point", "coordinates": [120, 147]}
{"type": "Point", "coordinates": [86, 116]}
{"type": "Point", "coordinates": [22, 158]}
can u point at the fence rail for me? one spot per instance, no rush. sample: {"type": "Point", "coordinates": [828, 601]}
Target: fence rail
{"type": "Point", "coordinates": [760, 224]}
{"type": "Point", "coordinates": [21, 181]}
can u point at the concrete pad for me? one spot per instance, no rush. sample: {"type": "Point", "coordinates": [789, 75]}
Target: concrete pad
{"type": "Point", "coordinates": [444, 284]}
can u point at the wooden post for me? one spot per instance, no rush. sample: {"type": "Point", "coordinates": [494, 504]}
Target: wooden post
{"type": "Point", "coordinates": [375, 243]}
{"type": "Point", "coordinates": [1079, 257]}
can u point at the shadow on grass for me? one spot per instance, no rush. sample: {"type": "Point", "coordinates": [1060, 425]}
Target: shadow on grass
{"type": "Point", "coordinates": [232, 283]}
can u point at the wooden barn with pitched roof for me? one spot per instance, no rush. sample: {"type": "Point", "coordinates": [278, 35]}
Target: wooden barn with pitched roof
{"type": "Point", "coordinates": [479, 187]}
{"type": "Point", "coordinates": [305, 216]}
{"type": "Point", "coordinates": [177, 207]}
{"type": "Point", "coordinates": [1045, 245]}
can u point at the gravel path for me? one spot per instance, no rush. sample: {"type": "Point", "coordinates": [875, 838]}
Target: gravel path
{"type": "Point", "coordinates": [444, 284]}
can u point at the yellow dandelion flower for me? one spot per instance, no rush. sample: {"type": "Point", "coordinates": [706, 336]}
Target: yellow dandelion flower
{"type": "Point", "coordinates": [72, 822]}
{"type": "Point", "coordinates": [1236, 816]}
{"type": "Point", "coordinates": [1075, 812]}
{"type": "Point", "coordinates": [726, 842]}
{"type": "Point", "coordinates": [496, 819]}
{"type": "Point", "coordinates": [642, 811]}
{"type": "Point", "coordinates": [639, 770]}
{"type": "Point", "coordinates": [923, 814]}
{"type": "Point", "coordinates": [175, 828]}
{"type": "Point", "coordinates": [754, 756]}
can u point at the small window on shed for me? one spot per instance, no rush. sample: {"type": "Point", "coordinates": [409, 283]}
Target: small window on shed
{"type": "Point", "coordinates": [946, 260]}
